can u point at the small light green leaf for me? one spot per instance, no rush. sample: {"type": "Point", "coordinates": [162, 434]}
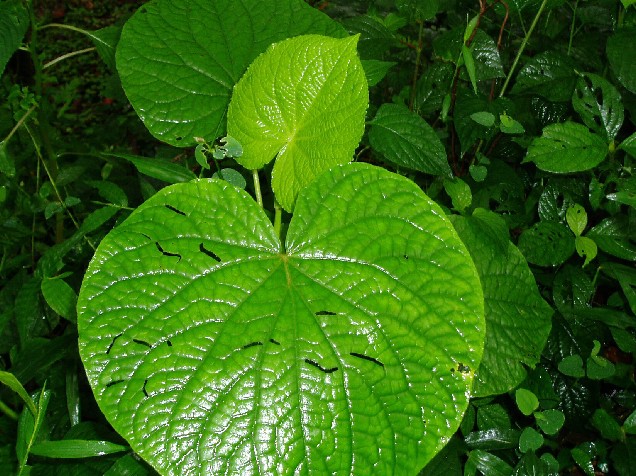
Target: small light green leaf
{"type": "Point", "coordinates": [14, 22]}
{"type": "Point", "coordinates": [627, 3]}
{"type": "Point", "coordinates": [200, 157]}
{"type": "Point", "coordinates": [469, 62]}
{"type": "Point", "coordinates": [547, 243]}
{"type": "Point", "coordinates": [484, 118]}
{"type": "Point", "coordinates": [376, 70]}
{"type": "Point", "coordinates": [599, 104]}
{"type": "Point", "coordinates": [459, 192]}
{"type": "Point", "coordinates": [157, 168]}
{"type": "Point", "coordinates": [76, 448]}
{"type": "Point", "coordinates": [203, 337]}
{"type": "Point", "coordinates": [312, 96]}
{"type": "Point", "coordinates": [517, 317]}
{"type": "Point", "coordinates": [530, 440]}
{"type": "Point", "coordinates": [231, 146]}
{"type": "Point", "coordinates": [232, 176]}
{"type": "Point", "coordinates": [565, 148]}
{"type": "Point", "coordinates": [509, 126]}
{"type": "Point", "coordinates": [576, 218]}
{"type": "Point", "coordinates": [178, 62]}
{"type": "Point", "coordinates": [572, 365]}
{"type": "Point", "coordinates": [550, 421]}
{"type": "Point", "coordinates": [622, 59]}
{"type": "Point", "coordinates": [406, 140]}
{"type": "Point", "coordinates": [586, 248]}
{"type": "Point", "coordinates": [526, 401]}
{"type": "Point", "coordinates": [14, 384]}
{"type": "Point", "coordinates": [60, 297]}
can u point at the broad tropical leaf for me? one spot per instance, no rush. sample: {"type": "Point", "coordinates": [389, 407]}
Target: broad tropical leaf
{"type": "Point", "coordinates": [213, 349]}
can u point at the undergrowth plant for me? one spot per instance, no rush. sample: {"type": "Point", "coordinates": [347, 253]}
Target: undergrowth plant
{"type": "Point", "coordinates": [375, 237]}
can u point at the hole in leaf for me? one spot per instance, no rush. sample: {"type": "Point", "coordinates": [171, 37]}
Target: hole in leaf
{"type": "Point", "coordinates": [178, 138]}
{"type": "Point", "coordinates": [169, 342]}
{"type": "Point", "coordinates": [166, 253]}
{"type": "Point", "coordinates": [211, 254]}
{"type": "Point", "coordinates": [113, 342]}
{"type": "Point", "coordinates": [114, 382]}
{"type": "Point", "coordinates": [142, 342]}
{"type": "Point", "coordinates": [366, 357]}
{"type": "Point", "coordinates": [326, 313]}
{"type": "Point", "coordinates": [252, 344]}
{"type": "Point", "coordinates": [144, 388]}
{"type": "Point", "coordinates": [174, 209]}
{"type": "Point", "coordinates": [274, 342]}
{"type": "Point", "coordinates": [320, 367]}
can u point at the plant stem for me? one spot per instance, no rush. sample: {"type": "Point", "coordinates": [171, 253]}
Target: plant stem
{"type": "Point", "coordinates": [4, 408]}
{"type": "Point", "coordinates": [418, 58]}
{"type": "Point", "coordinates": [19, 123]}
{"type": "Point", "coordinates": [576, 4]}
{"type": "Point", "coordinates": [278, 218]}
{"type": "Point", "coordinates": [523, 47]}
{"type": "Point", "coordinates": [67, 55]}
{"type": "Point", "coordinates": [257, 188]}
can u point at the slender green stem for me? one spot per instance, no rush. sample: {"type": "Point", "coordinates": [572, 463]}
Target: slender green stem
{"type": "Point", "coordinates": [20, 122]}
{"type": "Point", "coordinates": [278, 220]}
{"type": "Point", "coordinates": [4, 408]}
{"type": "Point", "coordinates": [257, 188]}
{"type": "Point", "coordinates": [576, 4]}
{"type": "Point", "coordinates": [66, 27]}
{"type": "Point", "coordinates": [66, 56]}
{"type": "Point", "coordinates": [522, 47]}
{"type": "Point", "coordinates": [418, 59]}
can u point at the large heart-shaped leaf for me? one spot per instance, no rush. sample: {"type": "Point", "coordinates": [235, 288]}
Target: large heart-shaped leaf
{"type": "Point", "coordinates": [517, 317]}
{"type": "Point", "coordinates": [213, 350]}
{"type": "Point", "coordinates": [303, 102]}
{"type": "Point", "coordinates": [178, 61]}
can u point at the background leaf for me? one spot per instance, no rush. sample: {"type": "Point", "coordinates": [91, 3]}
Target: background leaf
{"type": "Point", "coordinates": [517, 317]}
{"type": "Point", "coordinates": [599, 104]}
{"type": "Point", "coordinates": [406, 140]}
{"type": "Point", "coordinates": [178, 61]}
{"type": "Point", "coordinates": [312, 96]}
{"type": "Point", "coordinates": [622, 58]}
{"type": "Point", "coordinates": [348, 343]}
{"type": "Point", "coordinates": [566, 148]}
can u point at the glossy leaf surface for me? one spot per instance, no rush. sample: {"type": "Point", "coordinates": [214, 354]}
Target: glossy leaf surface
{"type": "Point", "coordinates": [303, 102]}
{"type": "Point", "coordinates": [178, 61]}
{"type": "Point", "coordinates": [213, 351]}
